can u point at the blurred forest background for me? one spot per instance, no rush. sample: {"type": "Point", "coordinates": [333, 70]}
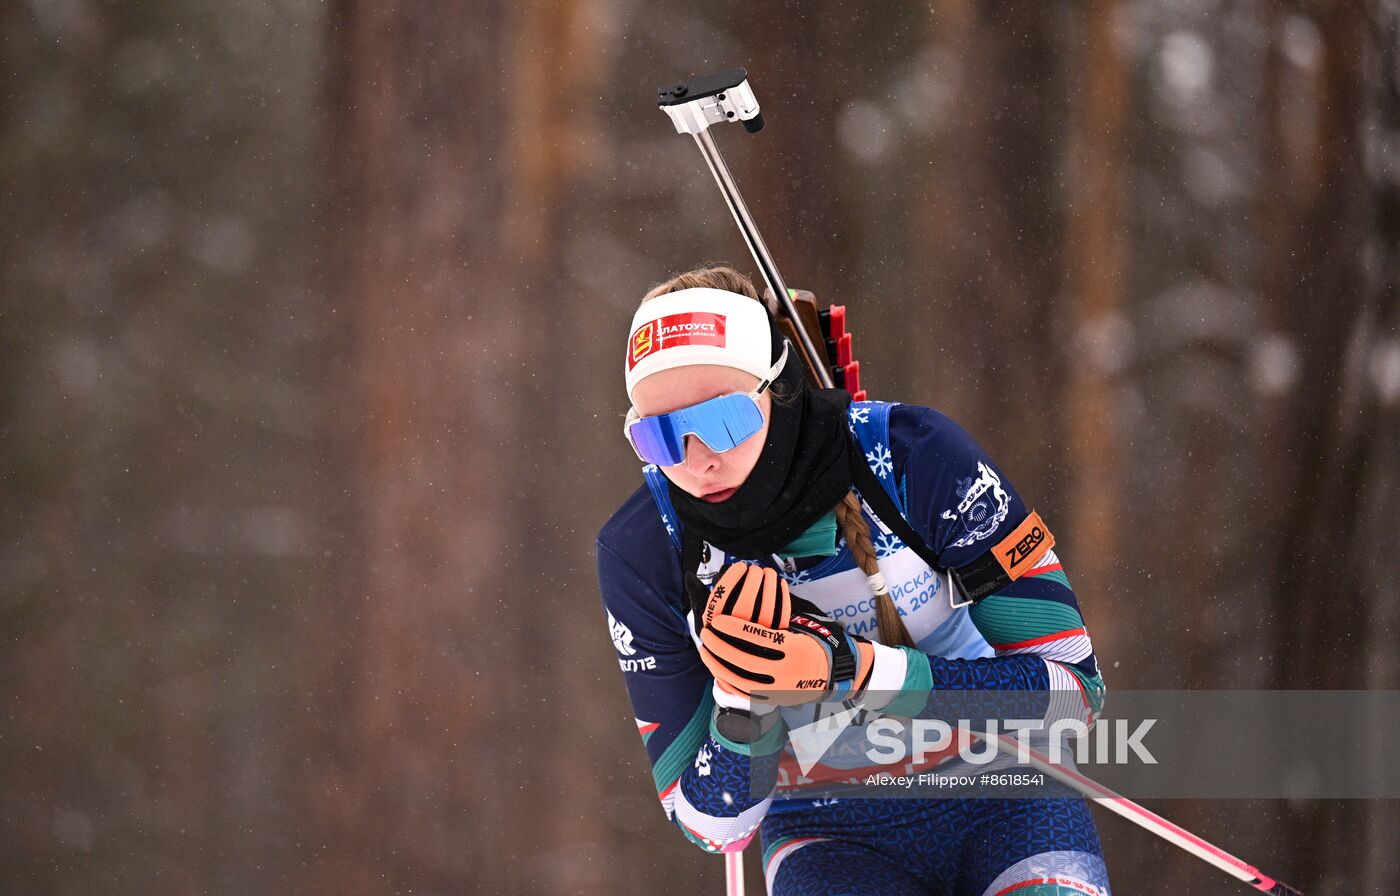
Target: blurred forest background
{"type": "Point", "coordinates": [311, 348]}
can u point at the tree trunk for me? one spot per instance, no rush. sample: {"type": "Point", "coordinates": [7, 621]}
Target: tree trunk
{"type": "Point", "coordinates": [410, 711]}
{"type": "Point", "coordinates": [1095, 250]}
{"type": "Point", "coordinates": [991, 232]}
{"type": "Point", "coordinates": [1323, 574]}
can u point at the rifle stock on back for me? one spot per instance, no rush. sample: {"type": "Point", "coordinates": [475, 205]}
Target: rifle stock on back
{"type": "Point", "coordinates": [825, 328]}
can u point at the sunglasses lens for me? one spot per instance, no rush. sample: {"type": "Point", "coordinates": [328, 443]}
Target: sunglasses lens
{"type": "Point", "coordinates": [721, 423]}
{"type": "Point", "coordinates": [729, 421]}
{"type": "Point", "coordinates": [657, 441]}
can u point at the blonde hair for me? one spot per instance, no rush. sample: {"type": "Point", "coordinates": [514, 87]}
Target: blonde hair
{"type": "Point", "coordinates": [717, 276]}
{"type": "Point", "coordinates": [854, 528]}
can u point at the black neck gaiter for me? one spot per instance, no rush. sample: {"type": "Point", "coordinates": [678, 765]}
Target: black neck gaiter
{"type": "Point", "coordinates": [801, 475]}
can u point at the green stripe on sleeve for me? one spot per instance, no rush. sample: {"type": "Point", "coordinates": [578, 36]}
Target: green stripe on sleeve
{"type": "Point", "coordinates": [1057, 576]}
{"type": "Point", "coordinates": [672, 763]}
{"type": "Point", "coordinates": [1038, 888]}
{"type": "Point", "coordinates": [1010, 620]}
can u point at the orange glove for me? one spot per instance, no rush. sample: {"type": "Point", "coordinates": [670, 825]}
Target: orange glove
{"type": "Point", "coordinates": [751, 593]}
{"type": "Point", "coordinates": [756, 646]}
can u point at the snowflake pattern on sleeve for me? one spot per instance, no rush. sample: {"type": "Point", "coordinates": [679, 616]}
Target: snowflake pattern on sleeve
{"type": "Point", "coordinates": [880, 461]}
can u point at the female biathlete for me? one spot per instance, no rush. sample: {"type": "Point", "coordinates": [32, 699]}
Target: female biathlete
{"type": "Point", "coordinates": [790, 546]}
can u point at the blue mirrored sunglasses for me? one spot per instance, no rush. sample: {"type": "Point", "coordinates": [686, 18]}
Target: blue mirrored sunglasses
{"type": "Point", "coordinates": [721, 423]}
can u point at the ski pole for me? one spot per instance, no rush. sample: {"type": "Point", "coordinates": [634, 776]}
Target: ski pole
{"type": "Point", "coordinates": [734, 873]}
{"type": "Point", "coordinates": [1150, 821]}
{"type": "Point", "coordinates": [693, 106]}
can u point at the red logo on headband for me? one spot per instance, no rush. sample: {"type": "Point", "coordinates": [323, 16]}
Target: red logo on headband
{"type": "Point", "coordinates": [673, 330]}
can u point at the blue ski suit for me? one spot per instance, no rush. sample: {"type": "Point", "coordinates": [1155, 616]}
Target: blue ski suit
{"type": "Point", "coordinates": [1028, 636]}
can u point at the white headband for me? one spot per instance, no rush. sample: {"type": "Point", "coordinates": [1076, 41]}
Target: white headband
{"type": "Point", "coordinates": [698, 326]}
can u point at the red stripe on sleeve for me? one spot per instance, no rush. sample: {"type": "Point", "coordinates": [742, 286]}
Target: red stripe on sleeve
{"type": "Point", "coordinates": [1043, 639]}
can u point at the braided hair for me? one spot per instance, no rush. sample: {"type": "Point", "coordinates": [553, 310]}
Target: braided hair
{"type": "Point", "coordinates": [856, 530]}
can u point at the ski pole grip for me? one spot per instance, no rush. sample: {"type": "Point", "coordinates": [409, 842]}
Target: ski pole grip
{"type": "Point", "coordinates": [696, 104]}
{"type": "Point", "coordinates": [699, 88]}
